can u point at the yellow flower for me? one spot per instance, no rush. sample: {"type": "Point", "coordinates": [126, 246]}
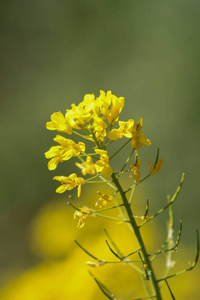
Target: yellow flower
{"type": "Point", "coordinates": [59, 123]}
{"type": "Point", "coordinates": [125, 129]}
{"type": "Point", "coordinates": [153, 169]}
{"type": "Point", "coordinates": [65, 151]}
{"type": "Point", "coordinates": [115, 109]}
{"type": "Point", "coordinates": [103, 200]}
{"type": "Point", "coordinates": [83, 213]}
{"type": "Point", "coordinates": [68, 183]}
{"type": "Point", "coordinates": [135, 168]}
{"type": "Point", "coordinates": [53, 153]}
{"type": "Point", "coordinates": [87, 167]}
{"type": "Point", "coordinates": [109, 106]}
{"type": "Point", "coordinates": [102, 165]}
{"type": "Point", "coordinates": [80, 115]}
{"type": "Point", "coordinates": [102, 104]}
{"type": "Point", "coordinates": [99, 128]}
{"type": "Point", "coordinates": [138, 137]}
{"type": "Point", "coordinates": [132, 130]}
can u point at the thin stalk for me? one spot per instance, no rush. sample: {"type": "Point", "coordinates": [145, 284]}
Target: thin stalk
{"type": "Point", "coordinates": [124, 166]}
{"type": "Point", "coordinates": [82, 136]}
{"type": "Point", "coordinates": [120, 149]}
{"type": "Point", "coordinates": [139, 238]}
{"type": "Point", "coordinates": [110, 218]}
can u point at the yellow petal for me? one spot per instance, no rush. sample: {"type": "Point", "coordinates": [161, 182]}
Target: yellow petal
{"type": "Point", "coordinates": [52, 164]}
{"type": "Point", "coordinates": [79, 190]}
{"type": "Point", "coordinates": [50, 126]}
{"type": "Point", "coordinates": [155, 169]}
{"type": "Point", "coordinates": [143, 139]}
{"type": "Point", "coordinates": [61, 189]}
{"type": "Point", "coordinates": [107, 171]}
{"type": "Point", "coordinates": [60, 178]}
{"type": "Point", "coordinates": [114, 134]}
{"type": "Point", "coordinates": [99, 166]}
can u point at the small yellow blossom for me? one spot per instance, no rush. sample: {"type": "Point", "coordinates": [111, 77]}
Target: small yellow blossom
{"type": "Point", "coordinates": [135, 168]}
{"type": "Point", "coordinates": [109, 106]}
{"type": "Point", "coordinates": [138, 137]}
{"type": "Point", "coordinates": [115, 109]}
{"type": "Point", "coordinates": [103, 200]}
{"type": "Point", "coordinates": [68, 183]}
{"type": "Point", "coordinates": [131, 130]}
{"type": "Point", "coordinates": [125, 129]}
{"type": "Point", "coordinates": [102, 165]}
{"type": "Point", "coordinates": [81, 114]}
{"type": "Point", "coordinates": [83, 213]}
{"type": "Point", "coordinates": [102, 104]}
{"type": "Point", "coordinates": [87, 167]}
{"type": "Point", "coordinates": [99, 128]}
{"type": "Point", "coordinates": [65, 151]}
{"type": "Point", "coordinates": [59, 123]}
{"type": "Point", "coordinates": [55, 154]}
{"type": "Point", "coordinates": [153, 169]}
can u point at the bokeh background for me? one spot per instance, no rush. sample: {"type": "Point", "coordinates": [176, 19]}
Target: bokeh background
{"type": "Point", "coordinates": [52, 54]}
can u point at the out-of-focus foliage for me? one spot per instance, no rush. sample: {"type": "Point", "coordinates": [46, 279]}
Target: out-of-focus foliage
{"type": "Point", "coordinates": [52, 53]}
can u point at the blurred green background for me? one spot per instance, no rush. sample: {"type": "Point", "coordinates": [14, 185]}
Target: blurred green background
{"type": "Point", "coordinates": [52, 54]}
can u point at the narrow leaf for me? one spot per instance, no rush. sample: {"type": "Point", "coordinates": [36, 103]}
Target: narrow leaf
{"type": "Point", "coordinates": [88, 253]}
{"type": "Point", "coordinates": [170, 290]}
{"type": "Point", "coordinates": [104, 289]}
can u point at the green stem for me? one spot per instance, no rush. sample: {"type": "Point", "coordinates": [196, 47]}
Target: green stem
{"type": "Point", "coordinates": [120, 149]}
{"type": "Point", "coordinates": [136, 230]}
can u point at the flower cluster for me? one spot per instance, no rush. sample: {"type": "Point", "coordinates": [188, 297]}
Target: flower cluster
{"type": "Point", "coordinates": [93, 120]}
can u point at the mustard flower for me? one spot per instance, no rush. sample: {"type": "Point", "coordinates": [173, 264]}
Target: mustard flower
{"type": "Point", "coordinates": [115, 109]}
{"type": "Point", "coordinates": [87, 167]}
{"type": "Point", "coordinates": [99, 128]}
{"type": "Point", "coordinates": [81, 114]}
{"type": "Point", "coordinates": [125, 129]}
{"type": "Point", "coordinates": [110, 106]}
{"type": "Point", "coordinates": [131, 130]}
{"type": "Point", "coordinates": [103, 200]}
{"type": "Point", "coordinates": [83, 213]}
{"type": "Point", "coordinates": [135, 168]}
{"type": "Point", "coordinates": [138, 137]}
{"type": "Point", "coordinates": [102, 104]}
{"type": "Point", "coordinates": [59, 123]}
{"type": "Point", "coordinates": [102, 165]}
{"type": "Point", "coordinates": [68, 183]}
{"type": "Point", "coordinates": [153, 169]}
{"type": "Point", "coordinates": [65, 151]}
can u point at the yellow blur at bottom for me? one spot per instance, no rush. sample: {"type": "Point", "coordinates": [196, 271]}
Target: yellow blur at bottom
{"type": "Point", "coordinates": [63, 273]}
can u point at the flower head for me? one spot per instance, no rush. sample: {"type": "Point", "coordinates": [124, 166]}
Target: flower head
{"type": "Point", "coordinates": [68, 183]}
